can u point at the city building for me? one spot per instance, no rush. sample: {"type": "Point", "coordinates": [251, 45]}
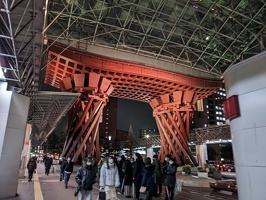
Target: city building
{"type": "Point", "coordinates": [108, 123]}
{"type": "Point", "coordinates": [210, 110]}
{"type": "Point", "coordinates": [148, 133]}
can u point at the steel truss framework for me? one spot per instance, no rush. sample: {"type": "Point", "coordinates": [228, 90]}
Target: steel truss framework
{"type": "Point", "coordinates": [211, 133]}
{"type": "Point", "coordinates": [207, 35]}
{"type": "Point", "coordinates": [198, 135]}
{"type": "Point", "coordinates": [84, 117]}
{"type": "Point", "coordinates": [21, 44]}
{"type": "Point", "coordinates": [21, 24]}
{"type": "Point", "coordinates": [48, 110]}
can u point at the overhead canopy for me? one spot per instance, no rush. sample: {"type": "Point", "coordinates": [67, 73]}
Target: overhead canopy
{"type": "Point", "coordinates": [46, 111]}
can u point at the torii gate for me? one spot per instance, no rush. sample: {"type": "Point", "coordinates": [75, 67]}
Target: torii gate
{"type": "Point", "coordinates": [172, 97]}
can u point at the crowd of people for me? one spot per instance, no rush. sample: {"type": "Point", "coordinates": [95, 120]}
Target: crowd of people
{"type": "Point", "coordinates": [128, 174]}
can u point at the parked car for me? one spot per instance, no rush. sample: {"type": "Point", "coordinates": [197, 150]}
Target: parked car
{"type": "Point", "coordinates": [229, 166]}
{"type": "Point", "coordinates": [212, 162]}
{"type": "Point", "coordinates": [221, 166]}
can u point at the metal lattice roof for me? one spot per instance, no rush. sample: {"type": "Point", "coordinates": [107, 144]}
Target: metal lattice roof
{"type": "Point", "coordinates": [204, 35]}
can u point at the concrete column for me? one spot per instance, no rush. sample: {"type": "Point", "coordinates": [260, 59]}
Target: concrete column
{"type": "Point", "coordinates": [149, 152]}
{"type": "Point", "coordinates": [202, 154]}
{"type": "Point", "coordinates": [25, 152]}
{"type": "Point", "coordinates": [13, 118]}
{"type": "Point", "coordinates": [247, 80]}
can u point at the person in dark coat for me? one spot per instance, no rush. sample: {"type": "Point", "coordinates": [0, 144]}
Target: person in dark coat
{"type": "Point", "coordinates": [165, 165]}
{"type": "Point", "coordinates": [158, 176]}
{"type": "Point", "coordinates": [121, 172]}
{"type": "Point", "coordinates": [128, 179]}
{"type": "Point", "coordinates": [138, 173]}
{"type": "Point", "coordinates": [170, 179]}
{"type": "Point", "coordinates": [68, 169]}
{"type": "Point", "coordinates": [85, 180]}
{"type": "Point", "coordinates": [31, 166]}
{"type": "Point", "coordinates": [94, 165]}
{"type": "Point", "coordinates": [48, 163]}
{"type": "Point", "coordinates": [63, 162]}
{"type": "Point", "coordinates": [147, 179]}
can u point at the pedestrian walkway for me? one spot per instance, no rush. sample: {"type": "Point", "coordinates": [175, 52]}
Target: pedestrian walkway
{"type": "Point", "coordinates": [49, 187]}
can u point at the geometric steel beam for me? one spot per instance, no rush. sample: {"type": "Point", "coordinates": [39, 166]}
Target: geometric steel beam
{"type": "Point", "coordinates": [197, 135]}
{"type": "Point", "coordinates": [130, 80]}
{"type": "Point", "coordinates": [173, 113]}
{"type": "Point", "coordinates": [46, 111]}
{"type": "Point", "coordinates": [84, 117]}
{"type": "Point", "coordinates": [210, 133]}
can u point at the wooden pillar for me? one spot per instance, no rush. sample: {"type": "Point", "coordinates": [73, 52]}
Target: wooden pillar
{"type": "Point", "coordinates": [83, 125]}
{"type": "Point", "coordinates": [173, 113]}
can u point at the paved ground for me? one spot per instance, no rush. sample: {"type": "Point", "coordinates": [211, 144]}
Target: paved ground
{"type": "Point", "coordinates": [53, 189]}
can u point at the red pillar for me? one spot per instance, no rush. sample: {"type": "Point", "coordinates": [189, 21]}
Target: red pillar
{"type": "Point", "coordinates": [84, 117]}
{"type": "Point", "coordinates": [173, 113]}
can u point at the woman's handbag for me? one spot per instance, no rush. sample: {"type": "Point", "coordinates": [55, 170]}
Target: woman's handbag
{"type": "Point", "coordinates": [142, 189]}
{"type": "Point", "coordinates": [102, 195]}
{"type": "Point", "coordinates": [144, 196]}
{"type": "Point", "coordinates": [143, 193]}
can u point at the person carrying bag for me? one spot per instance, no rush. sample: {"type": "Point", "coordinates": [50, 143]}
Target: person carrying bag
{"type": "Point", "coordinates": [109, 179]}
{"type": "Point", "coordinates": [85, 181]}
{"type": "Point", "coordinates": [147, 184]}
{"type": "Point", "coordinates": [102, 195]}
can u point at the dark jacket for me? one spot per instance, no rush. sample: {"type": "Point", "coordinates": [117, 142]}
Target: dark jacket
{"type": "Point", "coordinates": [62, 166]}
{"type": "Point", "coordinates": [85, 178]}
{"type": "Point", "coordinates": [158, 171]}
{"type": "Point", "coordinates": [68, 167]}
{"type": "Point", "coordinates": [171, 175]}
{"type": "Point", "coordinates": [48, 162]}
{"type": "Point", "coordinates": [121, 165]}
{"type": "Point", "coordinates": [32, 165]}
{"type": "Point", "coordinates": [138, 171]}
{"type": "Point", "coordinates": [128, 173]}
{"type": "Point", "coordinates": [147, 179]}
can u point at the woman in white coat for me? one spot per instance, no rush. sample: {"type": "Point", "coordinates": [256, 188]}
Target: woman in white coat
{"type": "Point", "coordinates": [109, 179]}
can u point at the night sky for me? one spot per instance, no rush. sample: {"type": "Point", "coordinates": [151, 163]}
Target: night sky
{"type": "Point", "coordinates": [137, 113]}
